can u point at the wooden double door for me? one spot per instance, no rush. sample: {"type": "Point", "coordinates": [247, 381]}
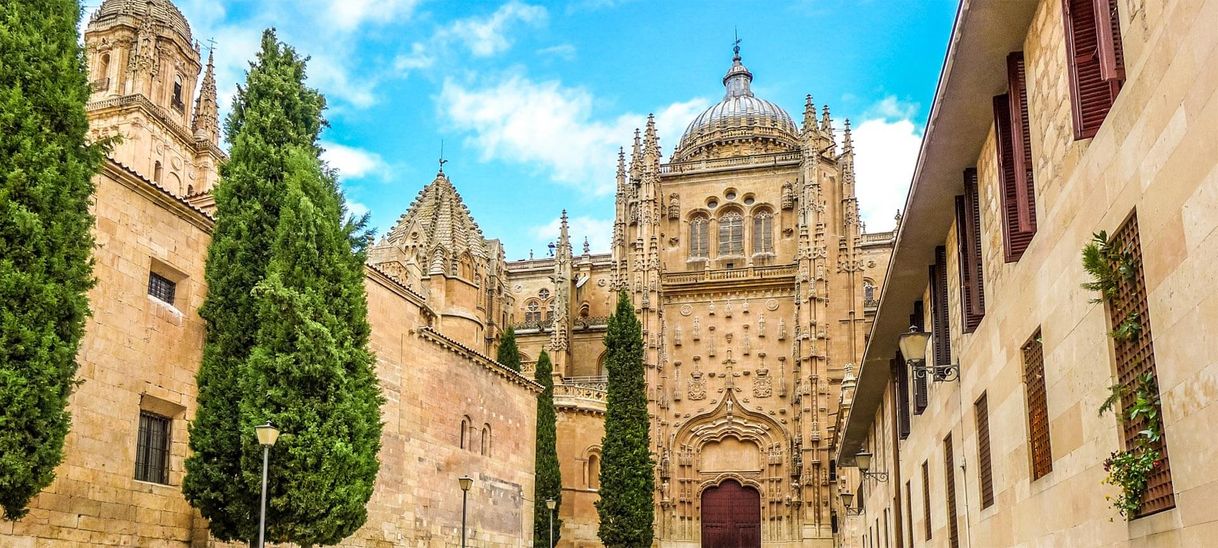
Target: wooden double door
{"type": "Point", "coordinates": [731, 516]}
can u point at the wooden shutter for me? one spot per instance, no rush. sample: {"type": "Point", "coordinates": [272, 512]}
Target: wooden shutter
{"type": "Point", "coordinates": [1021, 144]}
{"type": "Point", "coordinates": [1108, 29]}
{"type": "Point", "coordinates": [918, 319]}
{"type": "Point", "coordinates": [1135, 357]}
{"type": "Point", "coordinates": [1014, 240]}
{"type": "Point", "coordinates": [985, 474]}
{"type": "Point", "coordinates": [940, 325]}
{"type": "Point", "coordinates": [1039, 443]}
{"type": "Point", "coordinates": [968, 240]}
{"type": "Point", "coordinates": [901, 374]}
{"type": "Point", "coordinates": [1091, 94]}
{"type": "Point", "coordinates": [949, 485]}
{"type": "Point", "coordinates": [926, 497]}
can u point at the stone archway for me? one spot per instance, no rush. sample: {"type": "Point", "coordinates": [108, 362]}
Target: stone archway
{"type": "Point", "coordinates": [731, 516]}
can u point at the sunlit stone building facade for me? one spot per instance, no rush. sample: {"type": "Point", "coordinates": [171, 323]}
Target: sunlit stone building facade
{"type": "Point", "coordinates": [743, 255]}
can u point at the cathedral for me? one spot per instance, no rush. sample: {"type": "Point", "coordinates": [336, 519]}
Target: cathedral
{"type": "Point", "coordinates": [743, 253]}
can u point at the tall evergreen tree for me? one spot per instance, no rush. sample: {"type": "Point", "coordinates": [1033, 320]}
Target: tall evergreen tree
{"type": "Point", "coordinates": [625, 507]}
{"type": "Point", "coordinates": [272, 114]}
{"type": "Point", "coordinates": [548, 477]}
{"type": "Point", "coordinates": [310, 372]}
{"type": "Point", "coordinates": [46, 166]}
{"type": "Point", "coordinates": [508, 354]}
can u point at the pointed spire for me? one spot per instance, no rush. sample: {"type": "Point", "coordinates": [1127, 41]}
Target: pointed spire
{"type": "Point", "coordinates": [621, 162]}
{"type": "Point", "coordinates": [809, 113]}
{"type": "Point", "coordinates": [651, 146]}
{"type": "Point", "coordinates": [206, 123]}
{"type": "Point", "coordinates": [826, 123]}
{"type": "Point", "coordinates": [587, 246]}
{"type": "Point", "coordinates": [847, 141]}
{"type": "Point", "coordinates": [636, 157]}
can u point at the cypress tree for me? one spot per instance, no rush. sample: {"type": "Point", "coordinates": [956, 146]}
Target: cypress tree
{"type": "Point", "coordinates": [548, 477]}
{"type": "Point", "coordinates": [310, 372]}
{"type": "Point", "coordinates": [627, 484]}
{"type": "Point", "coordinates": [272, 114]}
{"type": "Point", "coordinates": [508, 354]}
{"type": "Point", "coordinates": [46, 166]}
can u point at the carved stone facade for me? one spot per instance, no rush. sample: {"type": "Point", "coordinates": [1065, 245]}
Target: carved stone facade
{"type": "Point", "coordinates": [747, 264]}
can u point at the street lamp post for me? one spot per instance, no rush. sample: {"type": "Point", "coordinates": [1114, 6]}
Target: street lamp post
{"type": "Point", "coordinates": [466, 482]}
{"type": "Point", "coordinates": [551, 503]}
{"type": "Point", "coordinates": [267, 435]}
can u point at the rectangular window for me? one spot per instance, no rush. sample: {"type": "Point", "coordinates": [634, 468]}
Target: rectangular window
{"type": "Point", "coordinates": [161, 287]}
{"type": "Point", "coordinates": [940, 325]}
{"type": "Point", "coordinates": [1135, 358]}
{"type": "Point", "coordinates": [1038, 408]}
{"type": "Point", "coordinates": [699, 238]}
{"type": "Point", "coordinates": [926, 497]}
{"type": "Point", "coordinates": [985, 474]}
{"type": "Point", "coordinates": [152, 449]}
{"type": "Point", "coordinates": [763, 233]}
{"type": "Point", "coordinates": [1095, 60]}
{"type": "Point", "coordinates": [968, 240]}
{"type": "Point", "coordinates": [949, 484]}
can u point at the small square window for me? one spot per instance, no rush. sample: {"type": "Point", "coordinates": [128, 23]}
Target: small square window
{"type": "Point", "coordinates": [152, 449]}
{"type": "Point", "coordinates": [161, 287]}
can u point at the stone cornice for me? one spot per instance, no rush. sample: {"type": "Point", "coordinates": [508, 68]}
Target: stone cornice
{"type": "Point", "coordinates": [158, 195]}
{"type": "Point", "coordinates": [384, 279]}
{"type": "Point", "coordinates": [478, 358]}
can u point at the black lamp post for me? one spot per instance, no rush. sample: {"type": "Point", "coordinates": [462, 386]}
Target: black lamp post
{"type": "Point", "coordinates": [862, 460]}
{"type": "Point", "coordinates": [913, 349]}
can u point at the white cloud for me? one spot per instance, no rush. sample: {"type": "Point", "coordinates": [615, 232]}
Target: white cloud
{"type": "Point", "coordinates": [884, 157]}
{"type": "Point", "coordinates": [892, 108]}
{"type": "Point", "coordinates": [356, 209]}
{"type": "Point", "coordinates": [545, 123]}
{"type": "Point", "coordinates": [486, 36]}
{"type": "Point", "coordinates": [352, 163]}
{"type": "Point", "coordinates": [350, 14]}
{"type": "Point", "coordinates": [418, 58]}
{"type": "Point", "coordinates": [565, 52]}
{"type": "Point", "coordinates": [598, 231]}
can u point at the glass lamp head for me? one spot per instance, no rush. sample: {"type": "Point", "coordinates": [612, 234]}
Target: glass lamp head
{"type": "Point", "coordinates": [862, 460]}
{"type": "Point", "coordinates": [466, 482]}
{"type": "Point", "coordinates": [551, 503]}
{"type": "Point", "coordinates": [267, 434]}
{"type": "Point", "coordinates": [913, 344]}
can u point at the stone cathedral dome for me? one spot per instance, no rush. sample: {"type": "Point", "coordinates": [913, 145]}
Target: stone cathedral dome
{"type": "Point", "coordinates": [740, 124]}
{"type": "Point", "coordinates": [132, 12]}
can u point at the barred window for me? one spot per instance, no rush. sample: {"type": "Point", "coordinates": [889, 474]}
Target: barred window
{"type": "Point", "coordinates": [731, 234]}
{"type": "Point", "coordinates": [763, 232]}
{"type": "Point", "coordinates": [699, 237]}
{"type": "Point", "coordinates": [161, 287]}
{"type": "Point", "coordinates": [152, 449]}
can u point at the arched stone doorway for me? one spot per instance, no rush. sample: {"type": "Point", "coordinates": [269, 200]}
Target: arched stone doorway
{"type": "Point", "coordinates": [731, 516]}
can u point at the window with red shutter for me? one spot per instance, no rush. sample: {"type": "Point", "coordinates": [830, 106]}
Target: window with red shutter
{"type": "Point", "coordinates": [1094, 59]}
{"type": "Point", "coordinates": [918, 319]}
{"type": "Point", "coordinates": [1021, 144]}
{"type": "Point", "coordinates": [949, 483]}
{"type": "Point", "coordinates": [940, 325]}
{"type": "Point", "coordinates": [968, 240]}
{"type": "Point", "coordinates": [985, 475]}
{"type": "Point", "coordinates": [1039, 443]}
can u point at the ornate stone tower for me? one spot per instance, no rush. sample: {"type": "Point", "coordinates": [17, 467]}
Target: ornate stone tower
{"type": "Point", "coordinates": [742, 258]}
{"type": "Point", "coordinates": [437, 249]}
{"type": "Point", "coordinates": [145, 68]}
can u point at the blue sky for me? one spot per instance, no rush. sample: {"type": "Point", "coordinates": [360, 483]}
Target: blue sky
{"type": "Point", "coordinates": [532, 99]}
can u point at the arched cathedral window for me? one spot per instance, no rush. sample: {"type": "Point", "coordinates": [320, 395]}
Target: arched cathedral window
{"type": "Point", "coordinates": [532, 312]}
{"type": "Point", "coordinates": [177, 93]}
{"type": "Point", "coordinates": [731, 234]}
{"type": "Point", "coordinates": [699, 237]}
{"type": "Point", "coordinates": [763, 232]}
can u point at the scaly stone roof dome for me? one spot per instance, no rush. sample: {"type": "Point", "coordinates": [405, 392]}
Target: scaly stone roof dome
{"type": "Point", "coordinates": [740, 116]}
{"type": "Point", "coordinates": [161, 12]}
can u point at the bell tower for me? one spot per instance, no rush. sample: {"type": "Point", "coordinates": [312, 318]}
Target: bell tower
{"type": "Point", "coordinates": [144, 70]}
